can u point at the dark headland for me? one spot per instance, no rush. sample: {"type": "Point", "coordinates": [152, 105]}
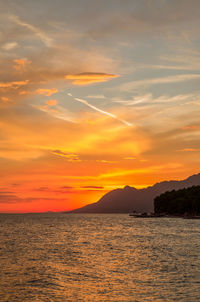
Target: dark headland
{"type": "Point", "coordinates": [184, 202]}
{"type": "Point", "coordinates": [130, 199]}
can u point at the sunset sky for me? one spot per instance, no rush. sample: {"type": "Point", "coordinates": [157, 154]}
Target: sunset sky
{"type": "Point", "coordinates": [96, 95]}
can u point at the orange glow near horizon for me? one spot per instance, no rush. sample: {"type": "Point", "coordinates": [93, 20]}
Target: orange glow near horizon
{"type": "Point", "coordinates": [44, 186]}
{"type": "Point", "coordinates": [42, 171]}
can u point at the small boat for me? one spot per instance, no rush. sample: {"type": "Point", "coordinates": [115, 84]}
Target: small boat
{"type": "Point", "coordinates": [142, 215]}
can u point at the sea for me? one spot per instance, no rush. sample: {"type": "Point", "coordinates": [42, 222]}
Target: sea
{"type": "Point", "coordinates": [98, 257]}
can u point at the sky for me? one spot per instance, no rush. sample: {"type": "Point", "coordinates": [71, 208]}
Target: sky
{"type": "Point", "coordinates": [96, 95]}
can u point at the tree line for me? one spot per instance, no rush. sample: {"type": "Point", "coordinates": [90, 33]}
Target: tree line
{"type": "Point", "coordinates": [179, 202]}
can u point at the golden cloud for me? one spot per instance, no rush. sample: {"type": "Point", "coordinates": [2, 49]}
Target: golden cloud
{"type": "Point", "coordinates": [52, 102]}
{"type": "Point", "coordinates": [21, 64]}
{"type": "Point", "coordinates": [46, 91]}
{"type": "Point", "coordinates": [87, 78]}
{"type": "Point", "coordinates": [189, 150]}
{"type": "Point", "coordinates": [191, 127]}
{"type": "Point", "coordinates": [14, 84]}
{"type": "Point", "coordinates": [5, 99]}
{"type": "Point", "coordinates": [70, 157]}
{"type": "Point", "coordinates": [24, 92]}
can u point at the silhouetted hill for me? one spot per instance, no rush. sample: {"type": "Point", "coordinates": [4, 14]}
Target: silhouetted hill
{"type": "Point", "coordinates": [129, 199]}
{"type": "Point", "coordinates": [179, 202]}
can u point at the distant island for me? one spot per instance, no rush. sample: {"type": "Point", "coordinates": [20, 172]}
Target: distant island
{"type": "Point", "coordinates": [130, 199]}
{"type": "Point", "coordinates": [181, 202]}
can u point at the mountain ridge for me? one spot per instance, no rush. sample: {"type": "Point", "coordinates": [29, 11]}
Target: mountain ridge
{"type": "Point", "coordinates": [129, 199]}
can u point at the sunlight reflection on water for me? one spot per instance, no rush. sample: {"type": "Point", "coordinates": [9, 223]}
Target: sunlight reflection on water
{"type": "Point", "coordinates": [59, 257]}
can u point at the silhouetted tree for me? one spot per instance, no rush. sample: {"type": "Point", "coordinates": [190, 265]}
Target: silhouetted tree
{"type": "Point", "coordinates": [179, 202]}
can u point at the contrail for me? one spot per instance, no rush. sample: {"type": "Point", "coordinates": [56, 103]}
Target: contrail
{"type": "Point", "coordinates": [101, 111]}
{"type": "Point", "coordinates": [95, 108]}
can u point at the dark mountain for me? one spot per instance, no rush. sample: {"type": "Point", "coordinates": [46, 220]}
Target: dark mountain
{"type": "Point", "coordinates": [129, 199]}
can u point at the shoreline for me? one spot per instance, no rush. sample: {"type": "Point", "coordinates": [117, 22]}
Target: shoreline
{"type": "Point", "coordinates": [143, 215]}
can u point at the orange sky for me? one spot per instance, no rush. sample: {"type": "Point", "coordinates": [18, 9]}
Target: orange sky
{"type": "Point", "coordinates": [93, 100]}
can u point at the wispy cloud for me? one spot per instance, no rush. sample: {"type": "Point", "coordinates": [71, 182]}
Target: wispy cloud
{"type": "Point", "coordinates": [189, 150]}
{"type": "Point", "coordinates": [123, 172]}
{"type": "Point", "coordinates": [9, 198]}
{"type": "Point", "coordinates": [9, 45]}
{"type": "Point", "coordinates": [191, 128]}
{"type": "Point", "coordinates": [105, 161]}
{"type": "Point", "coordinates": [185, 59]}
{"type": "Point", "coordinates": [135, 100]}
{"type": "Point", "coordinates": [68, 156]}
{"type": "Point", "coordinates": [149, 100]}
{"type": "Point", "coordinates": [14, 84]}
{"type": "Point", "coordinates": [93, 187]}
{"type": "Point", "coordinates": [57, 112]}
{"type": "Point", "coordinates": [157, 81]}
{"type": "Point", "coordinates": [98, 96]}
{"type": "Point", "coordinates": [39, 33]}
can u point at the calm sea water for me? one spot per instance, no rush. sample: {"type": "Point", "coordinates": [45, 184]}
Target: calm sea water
{"type": "Point", "coordinates": [59, 257]}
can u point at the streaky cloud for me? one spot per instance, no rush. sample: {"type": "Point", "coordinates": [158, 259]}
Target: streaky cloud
{"type": "Point", "coordinates": [59, 112]}
{"type": "Point", "coordinates": [157, 81]}
{"type": "Point", "coordinates": [149, 100]}
{"type": "Point", "coordinates": [98, 96]}
{"type": "Point", "coordinates": [13, 84]}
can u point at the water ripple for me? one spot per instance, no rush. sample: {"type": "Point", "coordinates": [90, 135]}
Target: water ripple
{"type": "Point", "coordinates": [58, 257]}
